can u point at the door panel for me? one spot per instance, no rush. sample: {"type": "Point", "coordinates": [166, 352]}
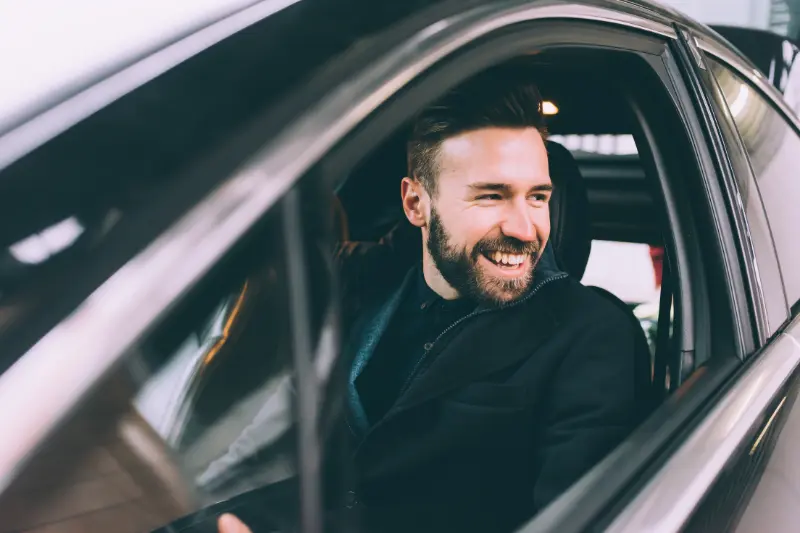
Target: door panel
{"type": "Point", "coordinates": [775, 503]}
{"type": "Point", "coordinates": [758, 489]}
{"type": "Point", "coordinates": [724, 437]}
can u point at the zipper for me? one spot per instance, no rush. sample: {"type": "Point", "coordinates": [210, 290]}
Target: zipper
{"type": "Point", "coordinates": [417, 368]}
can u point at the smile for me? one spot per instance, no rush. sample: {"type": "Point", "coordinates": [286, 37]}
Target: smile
{"type": "Point", "coordinates": [505, 260]}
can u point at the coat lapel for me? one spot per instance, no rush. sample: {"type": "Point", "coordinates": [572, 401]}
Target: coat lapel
{"type": "Point", "coordinates": [367, 341]}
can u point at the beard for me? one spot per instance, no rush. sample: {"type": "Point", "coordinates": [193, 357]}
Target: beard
{"type": "Point", "coordinates": [462, 271]}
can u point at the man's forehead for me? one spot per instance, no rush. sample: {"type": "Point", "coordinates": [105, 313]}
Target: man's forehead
{"type": "Point", "coordinates": [513, 161]}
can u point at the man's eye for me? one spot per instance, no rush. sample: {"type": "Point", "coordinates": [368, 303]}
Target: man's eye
{"type": "Point", "coordinates": [539, 197]}
{"type": "Point", "coordinates": [489, 197]}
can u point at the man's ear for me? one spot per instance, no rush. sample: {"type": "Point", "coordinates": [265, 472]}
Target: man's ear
{"type": "Point", "coordinates": [415, 201]}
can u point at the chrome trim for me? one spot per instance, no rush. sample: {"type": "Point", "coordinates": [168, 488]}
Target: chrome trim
{"type": "Point", "coordinates": [749, 72]}
{"type": "Point", "coordinates": [75, 354]}
{"type": "Point", "coordinates": [672, 495]}
{"type": "Point", "coordinates": [29, 135]}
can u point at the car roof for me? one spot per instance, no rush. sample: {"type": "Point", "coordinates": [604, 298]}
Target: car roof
{"type": "Point", "coordinates": [56, 50]}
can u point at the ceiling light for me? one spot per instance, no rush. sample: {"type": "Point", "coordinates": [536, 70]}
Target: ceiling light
{"type": "Point", "coordinates": [549, 108]}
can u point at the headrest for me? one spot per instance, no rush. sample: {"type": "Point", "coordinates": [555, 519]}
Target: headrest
{"type": "Point", "coordinates": [570, 231]}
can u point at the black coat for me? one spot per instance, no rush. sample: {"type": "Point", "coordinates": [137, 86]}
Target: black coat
{"type": "Point", "coordinates": [515, 406]}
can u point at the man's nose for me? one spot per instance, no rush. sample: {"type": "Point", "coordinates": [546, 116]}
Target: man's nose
{"type": "Point", "coordinates": [518, 222]}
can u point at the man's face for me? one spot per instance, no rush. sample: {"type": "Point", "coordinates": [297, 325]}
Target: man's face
{"type": "Point", "coordinates": [489, 220]}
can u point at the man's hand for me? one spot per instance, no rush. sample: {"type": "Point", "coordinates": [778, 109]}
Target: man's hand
{"type": "Point", "coordinates": [228, 523]}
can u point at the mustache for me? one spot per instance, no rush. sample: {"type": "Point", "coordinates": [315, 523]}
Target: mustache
{"type": "Point", "coordinates": [506, 245]}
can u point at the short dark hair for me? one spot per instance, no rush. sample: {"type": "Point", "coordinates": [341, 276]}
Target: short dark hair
{"type": "Point", "coordinates": [491, 99]}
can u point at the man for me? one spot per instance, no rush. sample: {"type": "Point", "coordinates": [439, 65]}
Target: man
{"type": "Point", "coordinates": [484, 381]}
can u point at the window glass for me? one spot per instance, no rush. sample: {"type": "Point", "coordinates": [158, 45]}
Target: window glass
{"type": "Point", "coordinates": [773, 147]}
{"type": "Point", "coordinates": [200, 417]}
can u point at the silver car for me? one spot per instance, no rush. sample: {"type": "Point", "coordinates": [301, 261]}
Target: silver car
{"type": "Point", "coordinates": [174, 178]}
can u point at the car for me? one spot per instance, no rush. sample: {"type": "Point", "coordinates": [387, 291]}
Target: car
{"type": "Point", "coordinates": [173, 181]}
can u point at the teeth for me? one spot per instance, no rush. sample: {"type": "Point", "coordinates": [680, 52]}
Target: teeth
{"type": "Point", "coordinates": [507, 259]}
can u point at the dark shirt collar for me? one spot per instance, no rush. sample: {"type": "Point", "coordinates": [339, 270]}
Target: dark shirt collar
{"type": "Point", "coordinates": [423, 294]}
{"type": "Point", "coordinates": [427, 298]}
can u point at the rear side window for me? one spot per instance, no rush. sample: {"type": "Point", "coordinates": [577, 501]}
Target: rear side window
{"type": "Point", "coordinates": [773, 147]}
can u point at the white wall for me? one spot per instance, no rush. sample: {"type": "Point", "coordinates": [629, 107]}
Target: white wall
{"type": "Point", "coordinates": [624, 269]}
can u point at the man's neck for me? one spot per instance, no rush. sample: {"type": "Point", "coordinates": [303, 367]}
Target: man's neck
{"type": "Point", "coordinates": [435, 280]}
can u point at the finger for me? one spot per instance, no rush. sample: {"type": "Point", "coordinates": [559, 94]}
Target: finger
{"type": "Point", "coordinates": [228, 523]}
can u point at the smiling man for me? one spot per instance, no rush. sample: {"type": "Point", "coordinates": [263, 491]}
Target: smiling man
{"type": "Point", "coordinates": [485, 381]}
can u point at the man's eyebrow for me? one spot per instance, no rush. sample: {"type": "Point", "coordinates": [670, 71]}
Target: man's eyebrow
{"type": "Point", "coordinates": [542, 187]}
{"type": "Point", "coordinates": [502, 187]}
{"type": "Point", "coordinates": [488, 186]}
